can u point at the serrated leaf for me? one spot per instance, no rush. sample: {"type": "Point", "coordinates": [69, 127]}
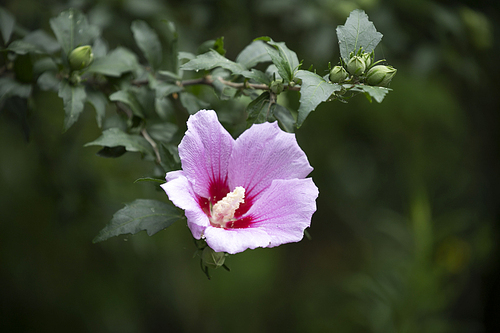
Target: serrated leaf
{"type": "Point", "coordinates": [72, 29]}
{"type": "Point", "coordinates": [117, 62]}
{"type": "Point", "coordinates": [99, 101]}
{"type": "Point", "coordinates": [254, 53]}
{"type": "Point", "coordinates": [377, 93]}
{"type": "Point", "coordinates": [357, 32]}
{"type": "Point", "coordinates": [7, 23]}
{"type": "Point", "coordinates": [74, 97]}
{"type": "Point", "coordinates": [283, 58]}
{"type": "Point", "coordinates": [140, 215]}
{"type": "Point", "coordinates": [210, 60]}
{"type": "Point", "coordinates": [148, 41]}
{"type": "Point", "coordinates": [127, 98]}
{"type": "Point", "coordinates": [259, 109]}
{"type": "Point", "coordinates": [114, 137]}
{"type": "Point", "coordinates": [314, 90]}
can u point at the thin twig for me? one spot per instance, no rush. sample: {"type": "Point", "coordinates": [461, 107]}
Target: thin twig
{"type": "Point", "coordinates": [152, 142]}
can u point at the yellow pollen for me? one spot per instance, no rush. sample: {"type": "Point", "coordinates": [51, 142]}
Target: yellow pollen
{"type": "Point", "coordinates": [223, 211]}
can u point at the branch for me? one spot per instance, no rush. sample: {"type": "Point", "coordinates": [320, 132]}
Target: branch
{"type": "Point", "coordinates": [152, 142]}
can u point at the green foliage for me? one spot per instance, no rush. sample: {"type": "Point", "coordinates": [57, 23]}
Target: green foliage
{"type": "Point", "coordinates": [149, 43]}
{"type": "Point", "coordinates": [153, 99]}
{"type": "Point", "coordinates": [74, 97]}
{"type": "Point", "coordinates": [72, 29]}
{"type": "Point", "coordinates": [357, 33]}
{"type": "Point", "coordinates": [314, 90]}
{"type": "Point", "coordinates": [114, 137]}
{"type": "Point", "coordinates": [141, 215]}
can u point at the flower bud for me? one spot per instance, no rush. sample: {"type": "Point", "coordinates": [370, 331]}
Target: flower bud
{"type": "Point", "coordinates": [276, 86]}
{"type": "Point", "coordinates": [356, 66]}
{"type": "Point", "coordinates": [212, 259]}
{"type": "Point", "coordinates": [81, 57]}
{"type": "Point", "coordinates": [338, 74]}
{"type": "Point", "coordinates": [368, 59]}
{"type": "Point", "coordinates": [380, 75]}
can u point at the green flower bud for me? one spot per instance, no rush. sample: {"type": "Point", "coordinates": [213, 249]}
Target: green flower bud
{"type": "Point", "coordinates": [338, 74]}
{"type": "Point", "coordinates": [356, 66]}
{"type": "Point", "coordinates": [81, 57]}
{"type": "Point", "coordinates": [276, 86]}
{"type": "Point", "coordinates": [211, 258]}
{"type": "Point", "coordinates": [368, 59]}
{"type": "Point", "coordinates": [380, 75]}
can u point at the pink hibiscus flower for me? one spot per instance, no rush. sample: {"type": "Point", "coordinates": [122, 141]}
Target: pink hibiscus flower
{"type": "Point", "coordinates": [245, 193]}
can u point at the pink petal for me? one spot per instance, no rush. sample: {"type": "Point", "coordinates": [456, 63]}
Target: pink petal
{"type": "Point", "coordinates": [263, 153]}
{"type": "Point", "coordinates": [236, 240]}
{"type": "Point", "coordinates": [284, 210]}
{"type": "Point", "coordinates": [205, 152]}
{"type": "Point", "coordinates": [181, 193]}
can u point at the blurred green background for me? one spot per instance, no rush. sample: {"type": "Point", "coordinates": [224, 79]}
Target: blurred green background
{"type": "Point", "coordinates": [406, 234]}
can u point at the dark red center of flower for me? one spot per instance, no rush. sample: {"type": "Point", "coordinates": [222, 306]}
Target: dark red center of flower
{"type": "Point", "coordinates": [218, 191]}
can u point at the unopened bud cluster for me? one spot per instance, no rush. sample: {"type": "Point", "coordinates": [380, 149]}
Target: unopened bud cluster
{"type": "Point", "coordinates": [362, 69]}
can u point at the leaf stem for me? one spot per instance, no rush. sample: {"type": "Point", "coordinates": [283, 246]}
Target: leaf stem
{"type": "Point", "coordinates": [152, 142]}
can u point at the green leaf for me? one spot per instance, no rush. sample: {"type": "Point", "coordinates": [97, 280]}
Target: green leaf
{"type": "Point", "coordinates": [22, 47]}
{"type": "Point", "coordinates": [223, 91]}
{"type": "Point", "coordinates": [212, 59]}
{"type": "Point", "coordinates": [43, 41]}
{"type": "Point", "coordinates": [254, 53]}
{"type": "Point", "coordinates": [142, 214]}
{"type": "Point", "coordinates": [10, 87]}
{"type": "Point", "coordinates": [357, 32]}
{"type": "Point", "coordinates": [148, 41]}
{"type": "Point", "coordinates": [192, 103]}
{"type": "Point", "coordinates": [115, 63]}
{"type": "Point", "coordinates": [163, 132]}
{"type": "Point", "coordinates": [127, 98]}
{"type": "Point", "coordinates": [377, 93]}
{"type": "Point", "coordinates": [114, 137]}
{"type": "Point", "coordinates": [170, 75]}
{"type": "Point", "coordinates": [172, 53]}
{"type": "Point", "coordinates": [283, 58]}
{"type": "Point", "coordinates": [149, 179]}
{"type": "Point", "coordinates": [169, 156]}
{"type": "Point", "coordinates": [48, 81]}
{"type": "Point", "coordinates": [99, 101]}
{"type": "Point", "coordinates": [166, 89]}
{"type": "Point", "coordinates": [314, 90]}
{"type": "Point", "coordinates": [256, 75]}
{"type": "Point", "coordinates": [72, 30]}
{"type": "Point", "coordinates": [284, 117]}
{"type": "Point", "coordinates": [7, 23]}
{"type": "Point", "coordinates": [73, 98]}
{"type": "Point", "coordinates": [259, 109]}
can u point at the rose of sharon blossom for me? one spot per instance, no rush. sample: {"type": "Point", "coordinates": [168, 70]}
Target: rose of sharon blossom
{"type": "Point", "coordinates": [244, 193]}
